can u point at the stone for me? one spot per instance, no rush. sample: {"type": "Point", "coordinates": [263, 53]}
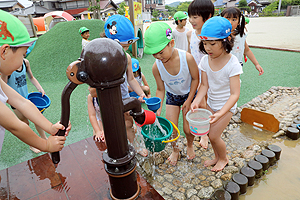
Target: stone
{"type": "Point", "coordinates": [177, 183]}
{"type": "Point", "coordinates": [226, 177]}
{"type": "Point", "coordinates": [190, 193]}
{"type": "Point", "coordinates": [230, 169]}
{"type": "Point", "coordinates": [217, 183]}
{"type": "Point", "coordinates": [205, 192]}
{"type": "Point", "coordinates": [178, 196]}
{"type": "Point", "coordinates": [158, 159]}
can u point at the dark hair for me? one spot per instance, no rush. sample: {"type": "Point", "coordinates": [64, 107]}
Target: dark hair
{"type": "Point", "coordinates": [176, 21]}
{"type": "Point", "coordinates": [84, 32]}
{"type": "Point", "coordinates": [227, 44]}
{"type": "Point", "coordinates": [235, 13]}
{"type": "Point", "coordinates": [203, 8]}
{"type": "Point", "coordinates": [14, 49]}
{"type": "Point", "coordinates": [139, 72]}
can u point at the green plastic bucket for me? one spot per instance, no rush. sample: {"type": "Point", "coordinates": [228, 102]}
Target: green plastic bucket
{"type": "Point", "coordinates": [155, 141]}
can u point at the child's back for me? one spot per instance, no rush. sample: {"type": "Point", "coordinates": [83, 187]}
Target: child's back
{"type": "Point", "coordinates": [179, 34]}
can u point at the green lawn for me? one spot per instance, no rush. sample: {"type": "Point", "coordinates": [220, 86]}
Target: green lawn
{"type": "Point", "coordinates": [56, 49]}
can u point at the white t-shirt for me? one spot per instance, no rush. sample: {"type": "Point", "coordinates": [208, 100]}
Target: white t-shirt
{"type": "Point", "coordinates": [179, 84]}
{"type": "Point", "coordinates": [195, 51]}
{"type": "Point", "coordinates": [3, 99]}
{"type": "Point", "coordinates": [218, 82]}
{"type": "Point", "coordinates": [84, 42]}
{"type": "Point", "coordinates": [180, 38]}
{"type": "Point", "coordinates": [239, 47]}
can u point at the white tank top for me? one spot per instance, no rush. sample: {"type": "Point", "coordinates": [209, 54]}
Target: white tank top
{"type": "Point", "coordinates": [139, 79]}
{"type": "Point", "coordinates": [194, 46]}
{"type": "Point", "coordinates": [3, 99]}
{"type": "Point", "coordinates": [180, 38]}
{"type": "Point", "coordinates": [180, 83]}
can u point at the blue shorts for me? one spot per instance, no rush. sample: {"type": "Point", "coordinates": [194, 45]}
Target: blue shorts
{"type": "Point", "coordinates": [177, 100]}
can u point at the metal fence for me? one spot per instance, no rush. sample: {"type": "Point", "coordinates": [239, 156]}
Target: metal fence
{"type": "Point", "coordinates": [295, 10]}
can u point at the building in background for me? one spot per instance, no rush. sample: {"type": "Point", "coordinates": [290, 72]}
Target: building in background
{"type": "Point", "coordinates": [10, 5]}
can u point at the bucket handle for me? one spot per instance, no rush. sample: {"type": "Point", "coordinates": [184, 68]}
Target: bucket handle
{"type": "Point", "coordinates": [42, 110]}
{"type": "Point", "coordinates": [177, 135]}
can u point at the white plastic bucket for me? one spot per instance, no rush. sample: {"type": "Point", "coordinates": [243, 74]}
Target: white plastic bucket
{"type": "Point", "coordinates": [199, 121]}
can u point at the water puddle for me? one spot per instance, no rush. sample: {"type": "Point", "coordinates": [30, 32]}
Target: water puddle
{"type": "Point", "coordinates": [281, 180]}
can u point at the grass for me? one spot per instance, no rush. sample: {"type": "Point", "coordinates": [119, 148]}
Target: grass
{"type": "Point", "coordinates": [56, 49]}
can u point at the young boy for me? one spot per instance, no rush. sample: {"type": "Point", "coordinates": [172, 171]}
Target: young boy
{"type": "Point", "coordinates": [14, 42]}
{"type": "Point", "coordinates": [175, 72]}
{"type": "Point", "coordinates": [199, 11]}
{"type": "Point", "coordinates": [179, 34]}
{"type": "Point", "coordinates": [85, 34]}
{"type": "Point", "coordinates": [17, 80]}
{"type": "Point", "coordinates": [120, 29]}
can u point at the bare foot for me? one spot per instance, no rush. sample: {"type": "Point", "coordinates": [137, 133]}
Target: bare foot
{"type": "Point", "coordinates": [208, 163]}
{"type": "Point", "coordinates": [204, 142]}
{"type": "Point", "coordinates": [173, 158]}
{"type": "Point", "coordinates": [220, 165]}
{"type": "Point", "coordinates": [190, 153]}
{"type": "Point", "coordinates": [35, 150]}
{"type": "Point", "coordinates": [143, 152]}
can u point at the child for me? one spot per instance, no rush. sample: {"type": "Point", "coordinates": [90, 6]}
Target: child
{"type": "Point", "coordinates": [85, 34]}
{"type": "Point", "coordinates": [199, 11]}
{"type": "Point", "coordinates": [176, 72]}
{"type": "Point", "coordinates": [17, 80]}
{"type": "Point", "coordinates": [119, 28]}
{"type": "Point", "coordinates": [140, 77]}
{"type": "Point", "coordinates": [220, 80]}
{"type": "Point", "coordinates": [13, 46]}
{"type": "Point", "coordinates": [94, 115]}
{"type": "Point", "coordinates": [179, 33]}
{"type": "Point", "coordinates": [240, 47]}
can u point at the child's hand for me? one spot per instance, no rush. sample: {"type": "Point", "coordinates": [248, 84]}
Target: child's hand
{"type": "Point", "coordinates": [55, 128]}
{"type": "Point", "coordinates": [55, 143]}
{"type": "Point", "coordinates": [99, 136]}
{"type": "Point", "coordinates": [215, 117]}
{"type": "Point", "coordinates": [41, 90]}
{"type": "Point", "coordinates": [259, 69]}
{"type": "Point", "coordinates": [158, 112]}
{"type": "Point", "coordinates": [185, 107]}
{"type": "Point", "coordinates": [141, 98]}
{"type": "Point", "coordinates": [194, 106]}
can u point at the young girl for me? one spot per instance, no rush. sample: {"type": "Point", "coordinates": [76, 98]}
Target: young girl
{"type": "Point", "coordinates": [176, 72]}
{"type": "Point", "coordinates": [240, 47]}
{"type": "Point", "coordinates": [140, 78]}
{"type": "Point", "coordinates": [94, 115]}
{"type": "Point", "coordinates": [220, 80]}
{"type": "Point", "coordinates": [199, 12]}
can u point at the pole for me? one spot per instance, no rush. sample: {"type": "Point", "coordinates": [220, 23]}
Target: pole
{"type": "Point", "coordinates": [279, 6]}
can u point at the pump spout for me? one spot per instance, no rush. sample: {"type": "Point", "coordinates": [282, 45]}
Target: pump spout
{"type": "Point", "coordinates": [140, 115]}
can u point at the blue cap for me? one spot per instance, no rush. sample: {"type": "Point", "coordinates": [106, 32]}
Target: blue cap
{"type": "Point", "coordinates": [215, 28]}
{"type": "Point", "coordinates": [118, 27]}
{"type": "Point", "coordinates": [135, 64]}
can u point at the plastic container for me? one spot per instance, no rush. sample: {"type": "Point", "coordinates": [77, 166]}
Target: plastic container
{"type": "Point", "coordinates": [199, 121]}
{"type": "Point", "coordinates": [41, 102]}
{"type": "Point", "coordinates": [153, 103]}
{"type": "Point", "coordinates": [156, 144]}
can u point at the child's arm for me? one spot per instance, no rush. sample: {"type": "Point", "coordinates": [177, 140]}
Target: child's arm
{"type": "Point", "coordinates": [160, 90]}
{"type": "Point", "coordinates": [194, 71]}
{"type": "Point", "coordinates": [251, 56]}
{"type": "Point", "coordinates": [33, 79]}
{"type": "Point", "coordinates": [29, 110]}
{"type": "Point", "coordinates": [201, 92]}
{"type": "Point", "coordinates": [132, 81]}
{"type": "Point", "coordinates": [188, 35]}
{"type": "Point", "coordinates": [10, 122]}
{"type": "Point", "coordinates": [234, 97]}
{"type": "Point", "coordinates": [93, 119]}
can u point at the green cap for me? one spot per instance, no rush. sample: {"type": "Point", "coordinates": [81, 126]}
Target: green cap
{"type": "Point", "coordinates": [83, 29]}
{"type": "Point", "coordinates": [247, 20]}
{"type": "Point", "coordinates": [180, 15]}
{"type": "Point", "coordinates": [157, 37]}
{"type": "Point", "coordinates": [13, 31]}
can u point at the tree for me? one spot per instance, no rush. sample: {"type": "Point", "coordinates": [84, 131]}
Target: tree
{"type": "Point", "coordinates": [95, 8]}
{"type": "Point", "coordinates": [155, 13]}
{"type": "Point", "coordinates": [121, 9]}
{"type": "Point", "coordinates": [243, 5]}
{"type": "Point", "coordinates": [183, 6]}
{"type": "Point", "coordinates": [171, 10]}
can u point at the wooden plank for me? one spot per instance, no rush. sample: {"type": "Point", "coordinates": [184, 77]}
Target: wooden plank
{"type": "Point", "coordinates": [260, 119]}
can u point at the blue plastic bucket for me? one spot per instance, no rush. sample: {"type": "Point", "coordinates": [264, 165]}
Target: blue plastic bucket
{"type": "Point", "coordinates": [41, 102]}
